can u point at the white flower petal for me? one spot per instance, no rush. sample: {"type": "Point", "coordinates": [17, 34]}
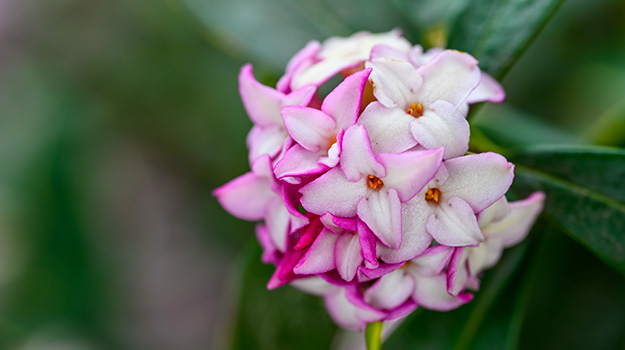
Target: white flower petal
{"type": "Point", "coordinates": [454, 224]}
{"type": "Point", "coordinates": [357, 158]}
{"type": "Point", "coordinates": [388, 128]}
{"type": "Point", "coordinates": [381, 211]}
{"type": "Point", "coordinates": [320, 256]}
{"type": "Point", "coordinates": [311, 128]}
{"type": "Point", "coordinates": [415, 238]}
{"type": "Point", "coordinates": [333, 193]}
{"type": "Point", "coordinates": [479, 179]}
{"type": "Point", "coordinates": [347, 255]}
{"type": "Point", "coordinates": [450, 76]}
{"type": "Point", "coordinates": [396, 83]}
{"type": "Point", "coordinates": [442, 125]}
{"type": "Point", "coordinates": [391, 290]}
{"type": "Point", "coordinates": [408, 172]}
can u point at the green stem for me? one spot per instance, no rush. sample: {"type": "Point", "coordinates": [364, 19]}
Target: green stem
{"type": "Point", "coordinates": [373, 336]}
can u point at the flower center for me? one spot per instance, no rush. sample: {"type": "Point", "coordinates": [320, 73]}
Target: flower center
{"type": "Point", "coordinates": [367, 95]}
{"type": "Point", "coordinates": [433, 195]}
{"type": "Point", "coordinates": [375, 182]}
{"type": "Point", "coordinates": [334, 140]}
{"type": "Point", "coordinates": [415, 110]}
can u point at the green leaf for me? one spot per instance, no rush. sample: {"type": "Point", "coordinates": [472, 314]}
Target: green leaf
{"type": "Point", "coordinates": [284, 318]}
{"type": "Point", "coordinates": [510, 127]}
{"type": "Point", "coordinates": [585, 194]}
{"type": "Point", "coordinates": [570, 285]}
{"type": "Point", "coordinates": [500, 327]}
{"type": "Point", "coordinates": [60, 281]}
{"type": "Point", "coordinates": [270, 32]}
{"type": "Point", "coordinates": [426, 329]}
{"type": "Point", "coordinates": [609, 129]}
{"type": "Point", "coordinates": [489, 296]}
{"type": "Point", "coordinates": [496, 32]}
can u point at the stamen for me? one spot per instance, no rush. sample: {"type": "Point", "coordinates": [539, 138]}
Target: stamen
{"type": "Point", "coordinates": [415, 110]}
{"type": "Point", "coordinates": [433, 194]}
{"type": "Point", "coordinates": [375, 182]}
{"type": "Point", "coordinates": [405, 264]}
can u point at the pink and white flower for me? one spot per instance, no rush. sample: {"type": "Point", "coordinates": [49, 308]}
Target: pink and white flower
{"type": "Point", "coordinates": [263, 105]}
{"type": "Point", "coordinates": [371, 186]}
{"type": "Point", "coordinates": [366, 196]}
{"type": "Point", "coordinates": [338, 54]}
{"type": "Point", "coordinates": [258, 195]}
{"type": "Point", "coordinates": [421, 106]}
{"type": "Point", "coordinates": [319, 132]}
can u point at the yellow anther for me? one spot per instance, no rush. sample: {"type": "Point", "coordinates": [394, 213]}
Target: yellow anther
{"type": "Point", "coordinates": [415, 110]}
{"type": "Point", "coordinates": [375, 182]}
{"type": "Point", "coordinates": [433, 195]}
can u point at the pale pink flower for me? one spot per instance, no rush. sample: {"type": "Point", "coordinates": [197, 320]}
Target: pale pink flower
{"type": "Point", "coordinates": [319, 133]}
{"type": "Point", "coordinates": [337, 54]}
{"type": "Point", "coordinates": [503, 225]}
{"type": "Point", "coordinates": [445, 208]}
{"type": "Point", "coordinates": [370, 186]}
{"type": "Point", "coordinates": [257, 195]}
{"type": "Point", "coordinates": [421, 106]}
{"type": "Point", "coordinates": [263, 105]}
{"type": "Point", "coordinates": [366, 196]}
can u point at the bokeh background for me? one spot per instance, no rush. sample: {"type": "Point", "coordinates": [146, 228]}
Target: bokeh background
{"type": "Point", "coordinates": [118, 118]}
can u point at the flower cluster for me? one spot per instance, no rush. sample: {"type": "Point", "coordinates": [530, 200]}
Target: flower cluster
{"type": "Point", "coordinates": [367, 195]}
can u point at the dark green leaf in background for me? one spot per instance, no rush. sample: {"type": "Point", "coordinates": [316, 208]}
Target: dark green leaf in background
{"type": "Point", "coordinates": [497, 32]}
{"type": "Point", "coordinates": [270, 32]}
{"type": "Point", "coordinates": [280, 319]}
{"type": "Point", "coordinates": [510, 127]}
{"type": "Point", "coordinates": [609, 129]}
{"type": "Point", "coordinates": [61, 287]}
{"type": "Point", "coordinates": [120, 72]}
{"type": "Point", "coordinates": [585, 194]}
{"type": "Point", "coordinates": [574, 301]}
{"type": "Point", "coordinates": [458, 328]}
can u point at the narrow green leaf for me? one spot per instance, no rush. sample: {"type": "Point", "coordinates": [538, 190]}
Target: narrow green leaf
{"type": "Point", "coordinates": [585, 195]}
{"type": "Point", "coordinates": [373, 336]}
{"type": "Point", "coordinates": [496, 32]}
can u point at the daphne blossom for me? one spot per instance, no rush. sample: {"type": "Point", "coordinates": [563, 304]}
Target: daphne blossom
{"type": "Point", "coordinates": [367, 196]}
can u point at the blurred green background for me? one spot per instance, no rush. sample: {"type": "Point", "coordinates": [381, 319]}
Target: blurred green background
{"type": "Point", "coordinates": [118, 118]}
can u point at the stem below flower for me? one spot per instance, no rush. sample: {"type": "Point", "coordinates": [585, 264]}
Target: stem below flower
{"type": "Point", "coordinates": [373, 336]}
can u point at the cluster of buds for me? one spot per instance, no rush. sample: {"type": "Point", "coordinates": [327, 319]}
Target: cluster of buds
{"type": "Point", "coordinates": [367, 196]}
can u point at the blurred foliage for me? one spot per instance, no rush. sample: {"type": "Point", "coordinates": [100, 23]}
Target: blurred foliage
{"type": "Point", "coordinates": [586, 194]}
{"type": "Point", "coordinates": [118, 119]}
{"type": "Point", "coordinates": [285, 318]}
{"type": "Point", "coordinates": [496, 32]}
